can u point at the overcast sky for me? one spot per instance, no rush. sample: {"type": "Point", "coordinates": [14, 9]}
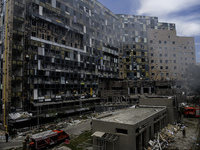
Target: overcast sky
{"type": "Point", "coordinates": [184, 13]}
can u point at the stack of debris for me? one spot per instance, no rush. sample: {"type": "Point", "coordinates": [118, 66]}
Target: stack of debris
{"type": "Point", "coordinates": [164, 137]}
{"type": "Point", "coordinates": [19, 115]}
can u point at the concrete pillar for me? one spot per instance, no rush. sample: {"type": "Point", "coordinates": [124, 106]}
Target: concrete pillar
{"type": "Point", "coordinates": [128, 90]}
{"type": "Point", "coordinates": [135, 90]}
{"type": "Point", "coordinates": [149, 90]}
{"type": "Point", "coordinates": [140, 142]}
{"type": "Point", "coordinates": [142, 90]}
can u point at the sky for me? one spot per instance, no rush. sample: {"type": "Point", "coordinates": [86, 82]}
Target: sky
{"type": "Point", "coordinates": [184, 13]}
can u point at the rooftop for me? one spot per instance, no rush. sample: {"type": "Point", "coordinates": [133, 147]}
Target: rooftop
{"type": "Point", "coordinates": [131, 115]}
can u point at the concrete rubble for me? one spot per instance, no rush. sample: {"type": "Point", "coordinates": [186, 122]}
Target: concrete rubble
{"type": "Point", "coordinates": [163, 138]}
{"type": "Point", "coordinates": [19, 115]}
{"type": "Point", "coordinates": [61, 124]}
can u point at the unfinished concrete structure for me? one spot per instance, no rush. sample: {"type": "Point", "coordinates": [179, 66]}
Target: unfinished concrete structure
{"type": "Point", "coordinates": [129, 129]}
{"type": "Point", "coordinates": [168, 101]}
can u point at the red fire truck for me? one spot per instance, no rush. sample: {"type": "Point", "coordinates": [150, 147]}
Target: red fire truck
{"type": "Point", "coordinates": [47, 138]}
{"type": "Point", "coordinates": [192, 112]}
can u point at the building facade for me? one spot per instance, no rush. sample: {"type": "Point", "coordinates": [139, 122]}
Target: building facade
{"type": "Point", "coordinates": [134, 56]}
{"type": "Point", "coordinates": [54, 54]}
{"type": "Point", "coordinates": [169, 54]}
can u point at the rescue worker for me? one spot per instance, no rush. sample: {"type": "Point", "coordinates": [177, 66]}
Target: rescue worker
{"type": "Point", "coordinates": [183, 132]}
{"type": "Point", "coordinates": [6, 135]}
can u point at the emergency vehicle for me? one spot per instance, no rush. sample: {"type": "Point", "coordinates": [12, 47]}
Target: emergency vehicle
{"type": "Point", "coordinates": [192, 112]}
{"type": "Point", "coordinates": [47, 138]}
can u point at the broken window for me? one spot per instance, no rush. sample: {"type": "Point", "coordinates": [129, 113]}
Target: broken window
{"type": "Point", "coordinates": [81, 8]}
{"type": "Point", "coordinates": [127, 59]}
{"type": "Point", "coordinates": [127, 66]}
{"type": "Point", "coordinates": [143, 60]}
{"type": "Point", "coordinates": [166, 67]}
{"type": "Point", "coordinates": [142, 54]}
{"type": "Point", "coordinates": [58, 4]}
{"type": "Point", "coordinates": [127, 53]}
{"type": "Point", "coordinates": [173, 42]}
{"type": "Point", "coordinates": [128, 74]}
{"type": "Point", "coordinates": [33, 22]}
{"type": "Point", "coordinates": [48, 1]}
{"type": "Point", "coordinates": [66, 9]}
{"type": "Point", "coordinates": [161, 67]}
{"type": "Point", "coordinates": [67, 54]}
{"type": "Point", "coordinates": [33, 34]}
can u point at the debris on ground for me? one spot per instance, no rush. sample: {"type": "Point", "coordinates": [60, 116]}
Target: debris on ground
{"type": "Point", "coordinates": [164, 137]}
{"type": "Point", "coordinates": [180, 136]}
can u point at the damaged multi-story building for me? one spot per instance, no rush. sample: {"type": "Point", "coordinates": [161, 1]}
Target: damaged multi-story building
{"type": "Point", "coordinates": [169, 54]}
{"type": "Point", "coordinates": [55, 53]}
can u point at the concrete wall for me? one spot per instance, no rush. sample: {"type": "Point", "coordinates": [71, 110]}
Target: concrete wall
{"type": "Point", "coordinates": [161, 102]}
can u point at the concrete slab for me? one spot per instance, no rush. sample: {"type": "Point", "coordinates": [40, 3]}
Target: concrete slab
{"type": "Point", "coordinates": [131, 115]}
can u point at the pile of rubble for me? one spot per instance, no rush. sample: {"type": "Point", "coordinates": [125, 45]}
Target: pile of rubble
{"type": "Point", "coordinates": [164, 137]}
{"type": "Point", "coordinates": [19, 115]}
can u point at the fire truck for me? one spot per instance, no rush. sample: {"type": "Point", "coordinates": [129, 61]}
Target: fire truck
{"type": "Point", "coordinates": [192, 111]}
{"type": "Point", "coordinates": [47, 138]}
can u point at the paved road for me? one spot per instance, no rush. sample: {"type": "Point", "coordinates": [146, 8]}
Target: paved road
{"type": "Point", "coordinates": [75, 130]}
{"type": "Point", "coordinates": [78, 129]}
{"type": "Point", "coordinates": [10, 144]}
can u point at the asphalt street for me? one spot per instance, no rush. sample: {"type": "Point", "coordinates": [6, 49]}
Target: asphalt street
{"type": "Point", "coordinates": [75, 130]}
{"type": "Point", "coordinates": [10, 144]}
